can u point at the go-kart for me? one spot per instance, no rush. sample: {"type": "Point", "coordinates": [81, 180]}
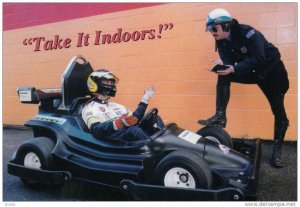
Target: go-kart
{"type": "Point", "coordinates": [173, 164]}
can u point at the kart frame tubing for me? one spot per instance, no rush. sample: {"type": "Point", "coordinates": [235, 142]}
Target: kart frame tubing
{"type": "Point", "coordinates": [160, 193]}
{"type": "Point", "coordinates": [40, 176]}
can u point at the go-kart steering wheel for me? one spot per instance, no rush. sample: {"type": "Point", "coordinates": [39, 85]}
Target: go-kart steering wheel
{"type": "Point", "coordinates": [149, 118]}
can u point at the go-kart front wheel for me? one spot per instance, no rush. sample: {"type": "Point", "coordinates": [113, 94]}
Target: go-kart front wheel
{"type": "Point", "coordinates": [36, 154]}
{"type": "Point", "coordinates": [216, 134]}
{"type": "Point", "coordinates": [185, 170]}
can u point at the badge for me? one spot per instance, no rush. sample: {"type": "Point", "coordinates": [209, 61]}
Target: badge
{"type": "Point", "coordinates": [244, 50]}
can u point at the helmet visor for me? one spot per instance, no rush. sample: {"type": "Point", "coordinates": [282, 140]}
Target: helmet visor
{"type": "Point", "coordinates": [209, 27]}
{"type": "Point", "coordinates": [108, 90]}
{"type": "Point", "coordinates": [106, 75]}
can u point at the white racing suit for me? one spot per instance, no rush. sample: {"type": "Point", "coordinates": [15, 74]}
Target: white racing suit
{"type": "Point", "coordinates": [99, 117]}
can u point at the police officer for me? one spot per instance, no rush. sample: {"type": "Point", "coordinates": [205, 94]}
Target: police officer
{"type": "Point", "coordinates": [250, 59]}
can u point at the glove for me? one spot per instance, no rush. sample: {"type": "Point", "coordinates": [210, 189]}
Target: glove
{"type": "Point", "coordinates": [129, 120]}
{"type": "Point", "coordinates": [148, 93]}
{"type": "Point", "coordinates": [124, 121]}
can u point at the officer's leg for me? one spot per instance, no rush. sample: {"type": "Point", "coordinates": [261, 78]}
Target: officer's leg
{"type": "Point", "coordinates": [222, 99]}
{"type": "Point", "coordinates": [275, 94]}
{"type": "Point", "coordinates": [134, 133]}
{"type": "Point", "coordinates": [280, 127]}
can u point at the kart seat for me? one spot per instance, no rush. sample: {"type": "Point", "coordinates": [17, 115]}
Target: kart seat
{"type": "Point", "coordinates": [78, 106]}
{"type": "Point", "coordinates": [74, 84]}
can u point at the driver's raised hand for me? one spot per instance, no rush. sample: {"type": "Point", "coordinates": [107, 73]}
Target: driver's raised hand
{"type": "Point", "coordinates": [148, 93]}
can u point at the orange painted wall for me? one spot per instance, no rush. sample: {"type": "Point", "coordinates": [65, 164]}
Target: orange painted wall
{"type": "Point", "coordinates": [176, 63]}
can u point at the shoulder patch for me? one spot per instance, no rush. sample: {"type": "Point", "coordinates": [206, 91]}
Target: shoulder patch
{"type": "Point", "coordinates": [250, 33]}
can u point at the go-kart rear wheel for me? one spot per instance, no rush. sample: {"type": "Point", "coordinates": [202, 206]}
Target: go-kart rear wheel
{"type": "Point", "coordinates": [35, 153]}
{"type": "Point", "coordinates": [216, 134]}
{"type": "Point", "coordinates": [183, 169]}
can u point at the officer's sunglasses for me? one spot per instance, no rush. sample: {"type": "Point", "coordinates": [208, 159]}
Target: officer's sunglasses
{"type": "Point", "coordinates": [213, 29]}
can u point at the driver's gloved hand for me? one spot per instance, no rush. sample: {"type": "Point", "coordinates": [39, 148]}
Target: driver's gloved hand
{"type": "Point", "coordinates": [124, 121]}
{"type": "Point", "coordinates": [147, 95]}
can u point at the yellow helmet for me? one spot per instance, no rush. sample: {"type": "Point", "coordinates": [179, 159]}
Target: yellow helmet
{"type": "Point", "coordinates": [95, 82]}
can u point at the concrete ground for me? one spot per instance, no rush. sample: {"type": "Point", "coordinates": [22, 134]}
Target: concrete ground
{"type": "Point", "coordinates": [274, 184]}
{"type": "Point", "coordinates": [278, 184]}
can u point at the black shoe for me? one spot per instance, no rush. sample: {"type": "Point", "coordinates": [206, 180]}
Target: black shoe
{"type": "Point", "coordinates": [276, 162]}
{"type": "Point", "coordinates": [218, 120]}
{"type": "Point", "coordinates": [279, 133]}
{"type": "Point", "coordinates": [222, 98]}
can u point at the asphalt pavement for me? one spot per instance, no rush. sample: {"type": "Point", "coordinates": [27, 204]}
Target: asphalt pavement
{"type": "Point", "coordinates": [274, 184]}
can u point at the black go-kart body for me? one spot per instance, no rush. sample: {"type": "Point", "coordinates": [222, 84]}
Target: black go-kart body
{"type": "Point", "coordinates": [173, 164]}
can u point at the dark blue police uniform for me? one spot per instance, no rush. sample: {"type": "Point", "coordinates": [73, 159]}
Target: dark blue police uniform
{"type": "Point", "coordinates": [255, 61]}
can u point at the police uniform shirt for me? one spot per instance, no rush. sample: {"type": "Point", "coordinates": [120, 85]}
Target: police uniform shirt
{"type": "Point", "coordinates": [248, 51]}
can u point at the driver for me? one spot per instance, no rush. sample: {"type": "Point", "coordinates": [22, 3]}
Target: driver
{"type": "Point", "coordinates": [109, 119]}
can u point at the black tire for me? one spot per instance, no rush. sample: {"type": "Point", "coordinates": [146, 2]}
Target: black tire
{"type": "Point", "coordinates": [212, 133]}
{"type": "Point", "coordinates": [190, 162]}
{"type": "Point", "coordinates": [42, 148]}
